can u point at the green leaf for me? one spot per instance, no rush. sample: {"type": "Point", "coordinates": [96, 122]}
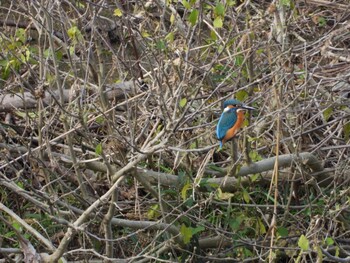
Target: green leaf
{"type": "Point", "coordinates": [216, 168]}
{"type": "Point", "coordinates": [24, 57]}
{"type": "Point", "coordinates": [20, 184]}
{"type": "Point", "coordinates": [144, 33]}
{"type": "Point", "coordinates": [172, 18]}
{"type": "Point", "coordinates": [219, 9]}
{"type": "Point", "coordinates": [247, 253]}
{"type": "Point", "coordinates": [193, 17]}
{"type": "Point", "coordinates": [235, 223]}
{"type": "Point", "coordinates": [161, 45]}
{"type": "Point", "coordinates": [24, 115]}
{"type": "Point", "coordinates": [329, 241]}
{"type": "Point", "coordinates": [218, 22]}
{"type": "Point", "coordinates": [213, 35]}
{"type": "Point", "coordinates": [246, 196]}
{"type": "Point", "coordinates": [47, 53]}
{"type": "Point", "coordinates": [184, 190]}
{"type": "Point", "coordinates": [262, 228]}
{"type": "Point", "coordinates": [327, 113]}
{"type": "Point", "coordinates": [241, 95]}
{"type": "Point", "coordinates": [193, 145]}
{"type": "Point", "coordinates": [98, 149]}
{"type": "Point", "coordinates": [183, 102]}
{"type": "Point", "coordinates": [170, 37]}
{"type": "Point", "coordinates": [74, 32]}
{"type": "Point", "coordinates": [322, 21]}
{"type": "Point", "coordinates": [34, 216]}
{"type": "Point", "coordinates": [255, 156]}
{"type": "Point", "coordinates": [285, 3]}
{"type": "Point", "coordinates": [223, 196]}
{"type": "Point", "coordinates": [17, 226]}
{"type": "Point", "coordinates": [186, 233]}
{"type": "Point", "coordinates": [153, 212]}
{"type": "Point", "coordinates": [282, 231]}
{"type": "Point", "coordinates": [100, 120]}
{"type": "Point", "coordinates": [59, 55]}
{"type": "Point", "coordinates": [260, 51]}
{"type": "Point", "coordinates": [117, 12]}
{"type": "Point", "coordinates": [239, 59]}
{"type": "Point", "coordinates": [21, 35]}
{"type": "Point", "coordinates": [197, 229]}
{"type": "Point", "coordinates": [303, 243]}
{"type": "Point", "coordinates": [337, 251]}
{"type": "Point", "coordinates": [254, 177]}
{"type": "Point", "coordinates": [231, 2]}
{"type": "Point", "coordinates": [346, 129]}
{"type": "Point", "coordinates": [186, 4]}
{"type": "Point", "coordinates": [71, 50]}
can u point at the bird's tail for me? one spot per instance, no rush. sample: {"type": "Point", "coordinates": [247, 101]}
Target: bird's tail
{"type": "Point", "coordinates": [220, 145]}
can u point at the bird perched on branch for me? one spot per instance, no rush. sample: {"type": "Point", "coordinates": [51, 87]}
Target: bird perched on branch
{"type": "Point", "coordinates": [231, 120]}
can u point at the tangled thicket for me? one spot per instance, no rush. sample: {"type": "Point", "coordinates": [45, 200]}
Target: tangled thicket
{"type": "Point", "coordinates": [108, 112]}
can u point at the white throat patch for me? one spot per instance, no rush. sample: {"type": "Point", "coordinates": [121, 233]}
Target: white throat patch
{"type": "Point", "coordinates": [227, 109]}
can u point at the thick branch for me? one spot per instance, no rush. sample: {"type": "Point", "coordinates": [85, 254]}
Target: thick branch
{"type": "Point", "coordinates": [9, 102]}
{"type": "Point", "coordinates": [229, 184]}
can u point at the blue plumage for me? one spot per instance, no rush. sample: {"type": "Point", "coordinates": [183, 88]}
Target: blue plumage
{"type": "Point", "coordinates": [228, 120]}
{"type": "Point", "coordinates": [232, 102]}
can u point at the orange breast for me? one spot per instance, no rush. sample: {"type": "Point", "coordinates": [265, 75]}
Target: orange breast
{"type": "Point", "coordinates": [233, 131]}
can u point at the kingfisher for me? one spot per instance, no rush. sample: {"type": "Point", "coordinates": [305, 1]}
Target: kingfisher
{"type": "Point", "coordinates": [231, 120]}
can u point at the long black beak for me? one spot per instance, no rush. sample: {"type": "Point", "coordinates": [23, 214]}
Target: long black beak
{"type": "Point", "coordinates": [245, 107]}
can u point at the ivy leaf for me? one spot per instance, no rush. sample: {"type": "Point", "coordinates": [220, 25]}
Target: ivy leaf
{"type": "Point", "coordinates": [285, 3]}
{"type": "Point", "coordinates": [71, 50]}
{"type": "Point", "coordinates": [21, 35]}
{"type": "Point", "coordinates": [282, 231]}
{"type": "Point", "coordinates": [329, 241]}
{"type": "Point", "coordinates": [100, 120]}
{"type": "Point", "coordinates": [172, 18]}
{"type": "Point", "coordinates": [235, 223]}
{"type": "Point", "coordinates": [153, 212]}
{"type": "Point", "coordinates": [98, 149]}
{"type": "Point", "coordinates": [239, 59]}
{"type": "Point", "coordinates": [322, 21]}
{"type": "Point", "coordinates": [346, 129]}
{"type": "Point", "coordinates": [219, 9]}
{"type": "Point", "coordinates": [246, 196]}
{"type": "Point", "coordinates": [218, 22]}
{"type": "Point", "coordinates": [117, 12]}
{"type": "Point", "coordinates": [17, 226]}
{"type": "Point", "coordinates": [327, 113]}
{"type": "Point", "coordinates": [183, 102]}
{"type": "Point", "coordinates": [186, 233]}
{"type": "Point", "coordinates": [193, 17]}
{"type": "Point", "coordinates": [144, 33]}
{"type": "Point", "coordinates": [213, 36]}
{"type": "Point", "coordinates": [170, 37]}
{"type": "Point", "coordinates": [303, 243]}
{"type": "Point", "coordinates": [241, 95]}
{"type": "Point", "coordinates": [222, 195]}
{"type": "Point", "coordinates": [186, 4]}
{"type": "Point", "coordinates": [255, 156]}
{"type": "Point", "coordinates": [197, 229]}
{"type": "Point", "coordinates": [74, 33]}
{"type": "Point", "coordinates": [161, 45]}
{"type": "Point", "coordinates": [262, 228]}
{"type": "Point", "coordinates": [184, 191]}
